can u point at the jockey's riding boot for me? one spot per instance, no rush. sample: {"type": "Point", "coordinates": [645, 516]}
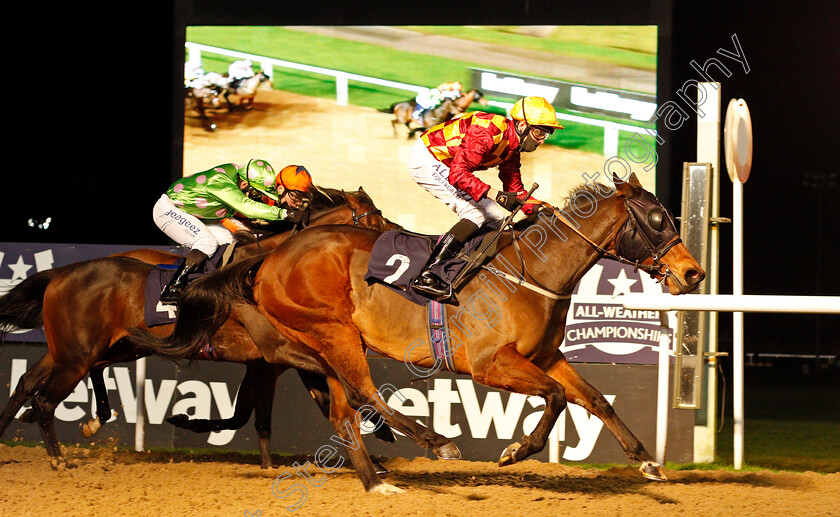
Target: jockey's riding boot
{"type": "Point", "coordinates": [427, 282]}
{"type": "Point", "coordinates": [172, 291]}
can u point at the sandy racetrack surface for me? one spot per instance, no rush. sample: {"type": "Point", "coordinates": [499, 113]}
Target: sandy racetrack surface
{"type": "Point", "coordinates": [107, 482]}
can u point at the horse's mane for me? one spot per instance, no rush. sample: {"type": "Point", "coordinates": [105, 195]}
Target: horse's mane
{"type": "Point", "coordinates": [323, 198]}
{"type": "Point", "coordinates": [581, 205]}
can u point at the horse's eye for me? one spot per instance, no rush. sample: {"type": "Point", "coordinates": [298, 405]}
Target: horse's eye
{"type": "Point", "coordinates": [656, 219]}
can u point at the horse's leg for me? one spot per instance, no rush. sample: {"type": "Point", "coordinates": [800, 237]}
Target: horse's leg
{"type": "Point", "coordinates": [511, 371]}
{"type": "Point", "coordinates": [358, 382]}
{"type": "Point", "coordinates": [61, 383]}
{"type": "Point", "coordinates": [344, 421]}
{"type": "Point", "coordinates": [208, 124]}
{"type": "Point", "coordinates": [245, 404]}
{"type": "Point", "coordinates": [266, 385]}
{"type": "Point", "coordinates": [349, 363]}
{"type": "Point", "coordinates": [583, 394]}
{"type": "Point", "coordinates": [29, 383]}
{"type": "Point", "coordinates": [316, 384]}
{"type": "Point", "coordinates": [103, 405]}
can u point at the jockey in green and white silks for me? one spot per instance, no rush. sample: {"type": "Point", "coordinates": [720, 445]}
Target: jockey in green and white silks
{"type": "Point", "coordinates": [434, 97]}
{"type": "Point", "coordinates": [194, 209]}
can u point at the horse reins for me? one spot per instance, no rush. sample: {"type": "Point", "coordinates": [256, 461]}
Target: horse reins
{"type": "Point", "coordinates": [359, 217]}
{"type": "Point", "coordinates": [657, 267]}
{"type": "Point", "coordinates": [653, 253]}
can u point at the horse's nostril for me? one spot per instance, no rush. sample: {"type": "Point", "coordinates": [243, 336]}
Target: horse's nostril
{"type": "Point", "coordinates": [694, 277]}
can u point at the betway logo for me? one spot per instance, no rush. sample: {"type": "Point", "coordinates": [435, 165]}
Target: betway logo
{"type": "Point", "coordinates": [493, 413]}
{"type": "Point", "coordinates": [157, 399]}
{"type": "Point", "coordinates": [517, 86]}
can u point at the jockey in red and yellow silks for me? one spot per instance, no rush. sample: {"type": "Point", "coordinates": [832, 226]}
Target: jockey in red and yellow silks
{"type": "Point", "coordinates": [477, 141]}
{"type": "Point", "coordinates": [444, 161]}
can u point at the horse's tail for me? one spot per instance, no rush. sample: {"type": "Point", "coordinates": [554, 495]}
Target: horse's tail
{"type": "Point", "coordinates": [389, 109]}
{"type": "Point", "coordinates": [21, 307]}
{"type": "Point", "coordinates": [202, 310]}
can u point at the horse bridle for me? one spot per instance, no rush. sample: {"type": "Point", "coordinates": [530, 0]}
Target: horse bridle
{"type": "Point", "coordinates": [632, 223]}
{"type": "Point", "coordinates": [359, 217]}
{"type": "Point", "coordinates": [650, 250]}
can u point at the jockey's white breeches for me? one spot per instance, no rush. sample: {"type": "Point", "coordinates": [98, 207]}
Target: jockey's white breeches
{"type": "Point", "coordinates": [433, 176]}
{"type": "Point", "coordinates": [188, 230]}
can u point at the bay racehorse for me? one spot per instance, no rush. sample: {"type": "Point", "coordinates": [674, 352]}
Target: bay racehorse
{"type": "Point", "coordinates": [338, 315]}
{"type": "Point", "coordinates": [446, 110]}
{"type": "Point", "coordinates": [256, 391]}
{"type": "Point", "coordinates": [87, 307]}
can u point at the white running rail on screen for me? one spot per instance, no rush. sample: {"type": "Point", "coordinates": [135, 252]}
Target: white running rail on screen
{"type": "Point", "coordinates": [611, 129]}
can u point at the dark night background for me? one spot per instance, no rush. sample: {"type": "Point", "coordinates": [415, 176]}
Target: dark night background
{"type": "Point", "coordinates": [99, 138]}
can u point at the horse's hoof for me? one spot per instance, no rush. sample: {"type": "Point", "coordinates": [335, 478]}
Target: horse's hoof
{"type": "Point", "coordinates": [380, 468]}
{"type": "Point", "coordinates": [449, 451]}
{"type": "Point", "coordinates": [508, 457]}
{"type": "Point", "coordinates": [91, 427]}
{"type": "Point", "coordinates": [28, 416]}
{"type": "Point", "coordinates": [652, 470]}
{"type": "Point", "coordinates": [383, 432]}
{"type": "Point", "coordinates": [386, 489]}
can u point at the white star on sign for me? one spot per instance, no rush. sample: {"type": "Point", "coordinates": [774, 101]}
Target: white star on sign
{"type": "Point", "coordinates": [19, 268]}
{"type": "Point", "coordinates": [621, 284]}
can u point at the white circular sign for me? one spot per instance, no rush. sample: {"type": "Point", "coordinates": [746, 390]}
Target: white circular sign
{"type": "Point", "coordinates": [738, 142]}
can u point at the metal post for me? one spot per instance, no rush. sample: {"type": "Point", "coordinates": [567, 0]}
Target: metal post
{"type": "Point", "coordinates": [738, 322]}
{"type": "Point", "coordinates": [662, 383]}
{"type": "Point", "coordinates": [708, 151]}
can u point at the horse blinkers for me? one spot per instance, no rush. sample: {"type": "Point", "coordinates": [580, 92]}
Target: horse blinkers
{"type": "Point", "coordinates": [649, 231]}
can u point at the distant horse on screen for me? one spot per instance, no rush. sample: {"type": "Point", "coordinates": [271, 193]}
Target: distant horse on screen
{"type": "Point", "coordinates": [446, 110]}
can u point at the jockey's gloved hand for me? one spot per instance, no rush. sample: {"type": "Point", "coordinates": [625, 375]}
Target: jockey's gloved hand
{"type": "Point", "coordinates": [298, 215]}
{"type": "Point", "coordinates": [508, 200]}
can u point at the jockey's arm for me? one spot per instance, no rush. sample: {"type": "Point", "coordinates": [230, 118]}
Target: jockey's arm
{"type": "Point", "coordinates": [476, 144]}
{"type": "Point", "coordinates": [509, 173]}
{"type": "Point", "coordinates": [235, 199]}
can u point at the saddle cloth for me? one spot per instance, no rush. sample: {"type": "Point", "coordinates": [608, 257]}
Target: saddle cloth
{"type": "Point", "coordinates": [157, 313]}
{"type": "Point", "coordinates": [397, 257]}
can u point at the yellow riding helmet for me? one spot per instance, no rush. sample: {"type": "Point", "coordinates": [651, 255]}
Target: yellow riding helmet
{"type": "Point", "coordinates": [294, 177]}
{"type": "Point", "coordinates": [536, 111]}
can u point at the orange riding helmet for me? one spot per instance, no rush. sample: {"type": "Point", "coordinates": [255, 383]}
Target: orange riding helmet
{"type": "Point", "coordinates": [294, 177]}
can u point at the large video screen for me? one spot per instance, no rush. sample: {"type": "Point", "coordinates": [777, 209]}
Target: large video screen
{"type": "Point", "coordinates": [325, 101]}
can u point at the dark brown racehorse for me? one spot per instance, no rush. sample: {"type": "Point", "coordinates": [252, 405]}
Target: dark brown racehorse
{"type": "Point", "coordinates": [86, 309]}
{"type": "Point", "coordinates": [337, 315]}
{"type": "Point", "coordinates": [446, 110]}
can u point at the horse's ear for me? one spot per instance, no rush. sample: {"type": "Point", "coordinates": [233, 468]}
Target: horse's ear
{"type": "Point", "coordinates": [634, 180]}
{"type": "Point", "coordinates": [361, 189]}
{"type": "Point", "coordinates": [625, 188]}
